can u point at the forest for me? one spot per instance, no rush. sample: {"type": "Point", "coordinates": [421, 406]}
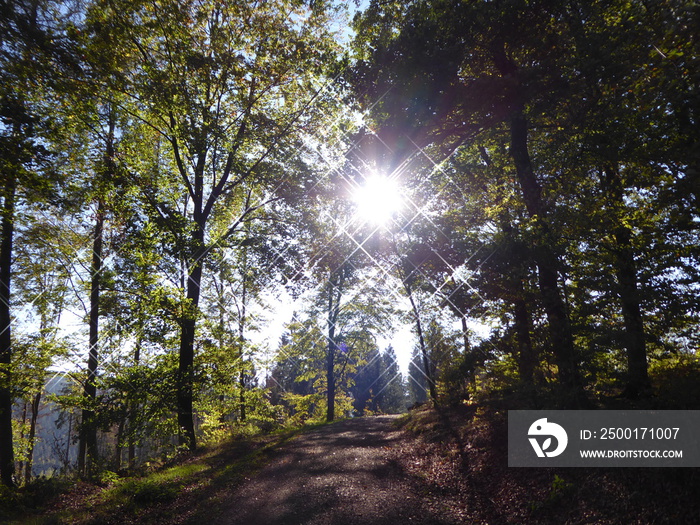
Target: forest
{"type": "Point", "coordinates": [218, 218]}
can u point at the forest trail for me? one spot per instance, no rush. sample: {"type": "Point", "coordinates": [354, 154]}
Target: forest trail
{"type": "Point", "coordinates": [342, 473]}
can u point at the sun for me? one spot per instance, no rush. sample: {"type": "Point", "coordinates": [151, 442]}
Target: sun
{"type": "Point", "coordinates": [378, 199]}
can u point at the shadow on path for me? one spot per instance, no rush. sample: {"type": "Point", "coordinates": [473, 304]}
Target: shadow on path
{"type": "Point", "coordinates": [338, 474]}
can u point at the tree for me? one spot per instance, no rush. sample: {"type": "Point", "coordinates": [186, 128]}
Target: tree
{"type": "Point", "coordinates": [227, 92]}
{"type": "Point", "coordinates": [393, 396]}
{"type": "Point", "coordinates": [346, 313]}
{"type": "Point", "coordinates": [508, 73]}
{"type": "Point", "coordinates": [617, 150]}
{"type": "Point", "coordinates": [417, 380]}
{"type": "Point", "coordinates": [474, 272]}
{"type": "Point", "coordinates": [87, 452]}
{"type": "Point", "coordinates": [479, 76]}
{"type": "Point", "coordinates": [339, 294]}
{"type": "Point", "coordinates": [41, 281]}
{"type": "Point", "coordinates": [378, 384]}
{"type": "Point", "coordinates": [28, 52]}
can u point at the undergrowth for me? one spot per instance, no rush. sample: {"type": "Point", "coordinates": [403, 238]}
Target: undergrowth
{"type": "Point", "coordinates": [460, 453]}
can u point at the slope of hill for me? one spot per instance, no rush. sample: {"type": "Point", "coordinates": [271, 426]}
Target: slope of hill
{"type": "Point", "coordinates": [437, 467]}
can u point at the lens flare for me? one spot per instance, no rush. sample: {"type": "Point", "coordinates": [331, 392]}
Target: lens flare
{"type": "Point", "coordinates": [378, 200]}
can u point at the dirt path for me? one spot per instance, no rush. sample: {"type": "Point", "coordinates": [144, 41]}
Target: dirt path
{"type": "Point", "coordinates": [338, 474]}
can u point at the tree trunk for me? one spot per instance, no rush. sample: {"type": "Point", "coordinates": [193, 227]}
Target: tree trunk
{"type": "Point", "coordinates": [241, 393]}
{"type": "Point", "coordinates": [7, 458]}
{"type": "Point", "coordinates": [23, 422]}
{"type": "Point", "coordinates": [36, 403]}
{"type": "Point", "coordinates": [185, 375]}
{"type": "Point", "coordinates": [185, 378]}
{"type": "Point", "coordinates": [330, 380]}
{"type": "Point", "coordinates": [427, 369]}
{"type": "Point", "coordinates": [546, 261]}
{"type": "Point", "coordinates": [241, 335]}
{"type": "Point", "coordinates": [333, 311]}
{"type": "Point", "coordinates": [69, 440]}
{"type": "Point", "coordinates": [118, 446]}
{"type": "Point", "coordinates": [131, 453]}
{"type": "Point", "coordinates": [635, 340]}
{"type": "Point", "coordinates": [526, 354]}
{"type": "Point", "coordinates": [465, 335]}
{"type": "Point", "coordinates": [626, 273]}
{"type": "Point", "coordinates": [87, 460]}
{"type": "Point", "coordinates": [527, 359]}
{"type": "Point", "coordinates": [468, 350]}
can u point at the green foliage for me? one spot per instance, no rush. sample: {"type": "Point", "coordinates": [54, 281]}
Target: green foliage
{"type": "Point", "coordinates": [220, 145]}
{"type": "Point", "coordinates": [140, 397]}
{"type": "Point", "coordinates": [9, 502]}
{"type": "Point", "coordinates": [303, 408]}
{"type": "Point", "coordinates": [560, 493]}
{"type": "Point", "coordinates": [31, 497]}
{"type": "Point", "coordinates": [676, 382]}
{"type": "Point", "coordinates": [22, 444]}
{"type": "Point", "coordinates": [339, 334]}
{"type": "Point", "coordinates": [601, 143]}
{"type": "Point", "coordinates": [378, 385]}
{"type": "Point", "coordinates": [147, 492]}
{"type": "Point", "coordinates": [107, 477]}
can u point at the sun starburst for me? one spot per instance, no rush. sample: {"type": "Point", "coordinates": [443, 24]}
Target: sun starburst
{"type": "Point", "coordinates": [378, 199]}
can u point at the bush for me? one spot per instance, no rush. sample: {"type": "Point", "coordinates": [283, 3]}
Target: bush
{"type": "Point", "coordinates": [9, 501]}
{"type": "Point", "coordinates": [676, 383]}
{"type": "Point", "coordinates": [147, 492]}
{"type": "Point", "coordinates": [33, 496]}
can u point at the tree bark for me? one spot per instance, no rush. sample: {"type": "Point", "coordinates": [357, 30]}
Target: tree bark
{"type": "Point", "coordinates": [330, 380]}
{"type": "Point", "coordinates": [333, 311]}
{"type": "Point", "coordinates": [423, 348]}
{"type": "Point", "coordinates": [465, 335]}
{"type": "Point", "coordinates": [627, 280]}
{"type": "Point", "coordinates": [69, 439]}
{"type": "Point", "coordinates": [185, 377]}
{"type": "Point", "coordinates": [87, 459]}
{"type": "Point", "coordinates": [526, 354]}
{"type": "Point", "coordinates": [36, 404]}
{"type": "Point", "coordinates": [194, 261]}
{"type": "Point", "coordinates": [118, 446]}
{"type": "Point", "coordinates": [635, 340]}
{"type": "Point", "coordinates": [471, 379]}
{"type": "Point", "coordinates": [546, 261]}
{"type": "Point", "coordinates": [527, 360]}
{"type": "Point", "coordinates": [131, 453]}
{"type": "Point", "coordinates": [7, 458]}
{"type": "Point", "coordinates": [20, 464]}
{"type": "Point", "coordinates": [241, 335]}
